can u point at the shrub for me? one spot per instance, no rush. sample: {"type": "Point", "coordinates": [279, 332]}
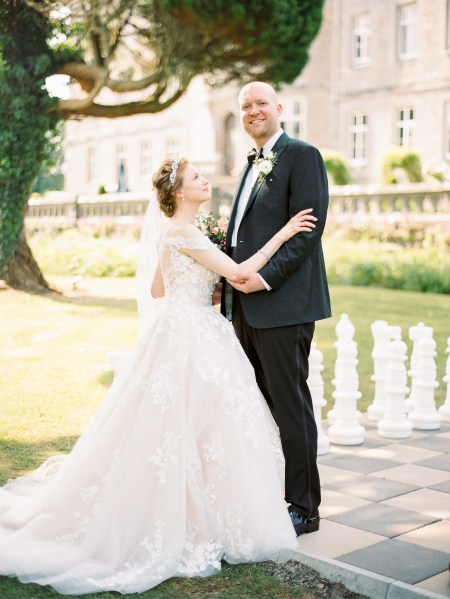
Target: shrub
{"type": "Point", "coordinates": [336, 166]}
{"type": "Point", "coordinates": [405, 159]}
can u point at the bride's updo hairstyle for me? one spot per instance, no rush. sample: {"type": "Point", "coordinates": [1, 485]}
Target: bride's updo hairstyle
{"type": "Point", "coordinates": [167, 181]}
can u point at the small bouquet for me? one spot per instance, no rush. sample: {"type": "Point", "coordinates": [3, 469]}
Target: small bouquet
{"type": "Point", "coordinates": [215, 229]}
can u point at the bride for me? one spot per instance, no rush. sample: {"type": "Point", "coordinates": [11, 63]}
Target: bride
{"type": "Point", "coordinates": [181, 465]}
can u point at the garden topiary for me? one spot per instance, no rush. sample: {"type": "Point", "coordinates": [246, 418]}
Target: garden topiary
{"type": "Point", "coordinates": [406, 159]}
{"type": "Point", "coordinates": [336, 166]}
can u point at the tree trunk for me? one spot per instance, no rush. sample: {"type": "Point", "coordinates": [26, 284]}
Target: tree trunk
{"type": "Point", "coordinates": [23, 271]}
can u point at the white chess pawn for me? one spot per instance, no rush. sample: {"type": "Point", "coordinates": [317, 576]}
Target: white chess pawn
{"type": "Point", "coordinates": [416, 333]}
{"type": "Point", "coordinates": [395, 423]}
{"type": "Point", "coordinates": [346, 429]}
{"type": "Point", "coordinates": [383, 335]}
{"type": "Point", "coordinates": [344, 332]}
{"type": "Point", "coordinates": [315, 384]}
{"type": "Point", "coordinates": [424, 415]}
{"type": "Point", "coordinates": [444, 410]}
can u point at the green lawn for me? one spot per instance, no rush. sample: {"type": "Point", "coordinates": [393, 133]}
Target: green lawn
{"type": "Point", "coordinates": [54, 372]}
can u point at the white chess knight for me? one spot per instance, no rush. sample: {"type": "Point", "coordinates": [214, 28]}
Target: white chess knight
{"type": "Point", "coordinates": [346, 429]}
{"type": "Point", "coordinates": [444, 410]}
{"type": "Point", "coordinates": [383, 334]}
{"type": "Point", "coordinates": [395, 423]}
{"type": "Point", "coordinates": [344, 333]}
{"type": "Point", "coordinates": [416, 333]}
{"type": "Point", "coordinates": [424, 415]}
{"type": "Point", "coordinates": [315, 384]}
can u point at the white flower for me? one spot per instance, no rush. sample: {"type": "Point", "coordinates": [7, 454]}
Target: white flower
{"type": "Point", "coordinates": [264, 166]}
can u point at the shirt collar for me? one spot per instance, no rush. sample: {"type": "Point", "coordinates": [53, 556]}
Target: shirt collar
{"type": "Point", "coordinates": [267, 147]}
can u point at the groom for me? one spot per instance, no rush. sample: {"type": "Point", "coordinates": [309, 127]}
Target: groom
{"type": "Point", "coordinates": [274, 311]}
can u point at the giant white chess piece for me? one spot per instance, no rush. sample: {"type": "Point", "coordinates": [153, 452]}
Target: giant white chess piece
{"type": "Point", "coordinates": [344, 332]}
{"type": "Point", "coordinates": [416, 333]}
{"type": "Point", "coordinates": [382, 335]}
{"type": "Point", "coordinates": [424, 415]}
{"type": "Point", "coordinates": [395, 423]}
{"type": "Point", "coordinates": [315, 384]}
{"type": "Point", "coordinates": [346, 429]}
{"type": "Point", "coordinates": [444, 410]}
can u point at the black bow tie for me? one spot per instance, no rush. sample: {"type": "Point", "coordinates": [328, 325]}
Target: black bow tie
{"type": "Point", "coordinates": [254, 155]}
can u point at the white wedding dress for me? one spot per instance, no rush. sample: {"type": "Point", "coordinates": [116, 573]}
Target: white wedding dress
{"type": "Point", "coordinates": [180, 468]}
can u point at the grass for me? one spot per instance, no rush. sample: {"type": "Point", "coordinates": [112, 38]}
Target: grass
{"type": "Point", "coordinates": [234, 582]}
{"type": "Point", "coordinates": [54, 372]}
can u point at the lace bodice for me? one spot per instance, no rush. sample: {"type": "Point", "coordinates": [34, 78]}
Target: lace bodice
{"type": "Point", "coordinates": [186, 282]}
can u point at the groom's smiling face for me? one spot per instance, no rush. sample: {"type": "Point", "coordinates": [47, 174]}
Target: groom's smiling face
{"type": "Point", "coordinates": [260, 111]}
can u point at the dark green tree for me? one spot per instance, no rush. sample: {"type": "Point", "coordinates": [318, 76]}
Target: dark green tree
{"type": "Point", "coordinates": [150, 47]}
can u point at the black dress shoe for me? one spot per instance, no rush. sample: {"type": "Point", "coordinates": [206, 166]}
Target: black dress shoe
{"type": "Point", "coordinates": [302, 524]}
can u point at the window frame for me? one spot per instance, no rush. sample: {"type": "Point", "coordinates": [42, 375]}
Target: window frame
{"type": "Point", "coordinates": [291, 118]}
{"type": "Point", "coordinates": [358, 40]}
{"type": "Point", "coordinates": [409, 124]}
{"type": "Point", "coordinates": [407, 29]}
{"type": "Point", "coordinates": [358, 131]}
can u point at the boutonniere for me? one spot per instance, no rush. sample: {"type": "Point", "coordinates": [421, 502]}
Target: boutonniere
{"type": "Point", "coordinates": [265, 165]}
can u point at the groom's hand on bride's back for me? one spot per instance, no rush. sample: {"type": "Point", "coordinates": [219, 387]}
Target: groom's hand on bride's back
{"type": "Point", "coordinates": [247, 283]}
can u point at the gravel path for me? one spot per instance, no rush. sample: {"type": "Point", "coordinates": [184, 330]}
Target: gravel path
{"type": "Point", "coordinates": [297, 574]}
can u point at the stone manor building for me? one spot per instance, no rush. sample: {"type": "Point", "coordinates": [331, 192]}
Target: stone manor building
{"type": "Point", "coordinates": [378, 76]}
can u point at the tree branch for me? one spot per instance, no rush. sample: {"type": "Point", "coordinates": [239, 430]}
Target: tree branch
{"type": "Point", "coordinates": [87, 76]}
{"type": "Point", "coordinates": [68, 108]}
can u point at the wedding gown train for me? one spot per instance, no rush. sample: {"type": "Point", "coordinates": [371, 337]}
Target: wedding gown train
{"type": "Point", "coordinates": [180, 468]}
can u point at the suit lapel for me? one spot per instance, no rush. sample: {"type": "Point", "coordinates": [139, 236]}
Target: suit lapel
{"type": "Point", "coordinates": [235, 204]}
{"type": "Point", "coordinates": [278, 148]}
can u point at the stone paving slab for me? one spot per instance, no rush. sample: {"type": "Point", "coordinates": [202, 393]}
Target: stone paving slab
{"type": "Point", "coordinates": [437, 442]}
{"type": "Point", "coordinates": [412, 474]}
{"type": "Point", "coordinates": [435, 504]}
{"type": "Point", "coordinates": [435, 536]}
{"type": "Point", "coordinates": [444, 486]}
{"type": "Point", "coordinates": [441, 462]}
{"type": "Point", "coordinates": [389, 557]}
{"type": "Point", "coordinates": [383, 519]}
{"type": "Point", "coordinates": [368, 487]}
{"type": "Point", "coordinates": [355, 463]}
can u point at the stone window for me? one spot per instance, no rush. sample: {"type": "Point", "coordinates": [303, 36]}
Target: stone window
{"type": "Point", "coordinates": [359, 127]}
{"type": "Point", "coordinates": [294, 118]}
{"type": "Point", "coordinates": [146, 160]}
{"type": "Point", "coordinates": [121, 152]}
{"type": "Point", "coordinates": [406, 127]}
{"type": "Point", "coordinates": [407, 31]}
{"type": "Point", "coordinates": [361, 41]}
{"type": "Point", "coordinates": [173, 147]}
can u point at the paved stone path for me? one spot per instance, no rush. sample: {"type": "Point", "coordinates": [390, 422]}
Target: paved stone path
{"type": "Point", "coordinates": [385, 528]}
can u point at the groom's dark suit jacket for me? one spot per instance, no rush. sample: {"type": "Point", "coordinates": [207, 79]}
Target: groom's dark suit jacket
{"type": "Point", "coordinates": [297, 271]}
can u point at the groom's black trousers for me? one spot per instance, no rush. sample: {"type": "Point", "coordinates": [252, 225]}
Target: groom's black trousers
{"type": "Point", "coordinates": [280, 359]}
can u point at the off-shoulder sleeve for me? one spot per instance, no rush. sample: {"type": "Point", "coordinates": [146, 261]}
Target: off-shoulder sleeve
{"type": "Point", "coordinates": [200, 243]}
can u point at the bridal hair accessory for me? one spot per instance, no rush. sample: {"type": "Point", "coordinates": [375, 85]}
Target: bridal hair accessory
{"type": "Point", "coordinates": [173, 174]}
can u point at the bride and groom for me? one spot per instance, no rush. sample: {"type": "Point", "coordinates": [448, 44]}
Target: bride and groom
{"type": "Point", "coordinates": [182, 464]}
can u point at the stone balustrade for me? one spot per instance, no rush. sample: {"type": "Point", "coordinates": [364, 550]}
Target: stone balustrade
{"type": "Point", "coordinates": [61, 208]}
